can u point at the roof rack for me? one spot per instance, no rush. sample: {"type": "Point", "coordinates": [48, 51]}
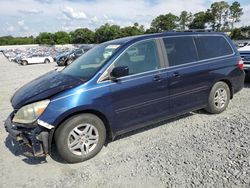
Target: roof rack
{"type": "Point", "coordinates": [194, 30]}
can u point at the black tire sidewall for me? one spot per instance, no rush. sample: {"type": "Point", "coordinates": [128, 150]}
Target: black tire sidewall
{"type": "Point", "coordinates": [46, 61]}
{"type": "Point", "coordinates": [65, 128]}
{"type": "Point", "coordinates": [247, 77]}
{"type": "Point", "coordinates": [211, 105]}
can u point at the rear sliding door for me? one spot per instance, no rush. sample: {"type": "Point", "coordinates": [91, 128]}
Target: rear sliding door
{"type": "Point", "coordinates": [188, 80]}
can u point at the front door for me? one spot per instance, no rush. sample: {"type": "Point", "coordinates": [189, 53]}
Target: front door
{"type": "Point", "coordinates": [142, 95]}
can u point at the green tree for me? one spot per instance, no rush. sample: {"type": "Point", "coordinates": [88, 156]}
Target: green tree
{"type": "Point", "coordinates": [82, 36]}
{"type": "Point", "coordinates": [185, 19]}
{"type": "Point", "coordinates": [62, 37]}
{"type": "Point", "coordinates": [235, 13]}
{"type": "Point", "coordinates": [200, 21]}
{"type": "Point", "coordinates": [220, 13]}
{"type": "Point", "coordinates": [45, 38]}
{"type": "Point", "coordinates": [246, 32]}
{"type": "Point", "coordinates": [9, 40]}
{"type": "Point", "coordinates": [236, 34]}
{"type": "Point", "coordinates": [107, 32]}
{"type": "Point", "coordinates": [164, 23]}
{"type": "Point", "coordinates": [136, 29]}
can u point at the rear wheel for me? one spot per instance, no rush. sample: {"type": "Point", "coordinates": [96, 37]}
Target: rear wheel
{"type": "Point", "coordinates": [24, 62]}
{"type": "Point", "coordinates": [247, 78]}
{"type": "Point", "coordinates": [80, 138]}
{"type": "Point", "coordinates": [46, 61]}
{"type": "Point", "coordinates": [219, 98]}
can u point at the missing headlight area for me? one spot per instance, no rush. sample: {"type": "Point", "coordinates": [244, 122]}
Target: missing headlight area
{"type": "Point", "coordinates": [37, 138]}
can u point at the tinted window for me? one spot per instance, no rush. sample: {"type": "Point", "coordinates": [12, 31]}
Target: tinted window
{"type": "Point", "coordinates": [180, 50]}
{"type": "Point", "coordinates": [212, 46]}
{"type": "Point", "coordinates": [140, 58]}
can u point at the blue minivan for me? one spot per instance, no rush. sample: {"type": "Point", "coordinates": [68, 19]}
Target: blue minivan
{"type": "Point", "coordinates": [122, 85]}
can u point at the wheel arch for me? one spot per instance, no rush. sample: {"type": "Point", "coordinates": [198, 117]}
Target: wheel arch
{"type": "Point", "coordinates": [228, 82]}
{"type": "Point", "coordinates": [25, 60]}
{"type": "Point", "coordinates": [47, 59]}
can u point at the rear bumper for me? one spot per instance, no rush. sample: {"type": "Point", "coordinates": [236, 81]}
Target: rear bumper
{"type": "Point", "coordinates": [238, 81]}
{"type": "Point", "coordinates": [36, 138]}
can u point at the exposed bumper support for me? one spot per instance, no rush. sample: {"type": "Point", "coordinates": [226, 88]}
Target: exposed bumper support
{"type": "Point", "coordinates": [36, 138]}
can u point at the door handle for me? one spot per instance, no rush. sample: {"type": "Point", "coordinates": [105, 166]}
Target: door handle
{"type": "Point", "coordinates": [157, 78]}
{"type": "Point", "coordinates": [176, 74]}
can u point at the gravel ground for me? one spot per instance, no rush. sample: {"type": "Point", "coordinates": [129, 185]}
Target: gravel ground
{"type": "Point", "coordinates": [194, 150]}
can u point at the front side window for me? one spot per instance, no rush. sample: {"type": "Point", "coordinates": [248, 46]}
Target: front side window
{"type": "Point", "coordinates": [90, 62]}
{"type": "Point", "coordinates": [139, 58]}
{"type": "Point", "coordinates": [212, 46]}
{"type": "Point", "coordinates": [180, 50]}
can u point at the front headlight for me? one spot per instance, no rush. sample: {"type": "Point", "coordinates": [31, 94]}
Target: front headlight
{"type": "Point", "coordinates": [29, 113]}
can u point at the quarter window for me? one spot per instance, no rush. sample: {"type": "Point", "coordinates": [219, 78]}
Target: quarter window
{"type": "Point", "coordinates": [212, 46]}
{"type": "Point", "coordinates": [139, 58]}
{"type": "Point", "coordinates": [180, 50]}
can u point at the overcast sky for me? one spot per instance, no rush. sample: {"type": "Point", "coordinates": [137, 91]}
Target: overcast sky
{"type": "Point", "coordinates": [29, 17]}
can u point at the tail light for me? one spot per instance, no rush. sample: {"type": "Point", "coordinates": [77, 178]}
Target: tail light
{"type": "Point", "coordinates": [240, 64]}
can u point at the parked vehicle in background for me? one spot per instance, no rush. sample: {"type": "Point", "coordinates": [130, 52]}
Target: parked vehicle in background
{"type": "Point", "coordinates": [62, 58]}
{"type": "Point", "coordinates": [18, 58]}
{"type": "Point", "coordinates": [10, 55]}
{"type": "Point", "coordinates": [74, 55]}
{"type": "Point", "coordinates": [12, 58]}
{"type": "Point", "coordinates": [240, 45]}
{"type": "Point", "coordinates": [245, 55]}
{"type": "Point", "coordinates": [34, 59]}
{"type": "Point", "coordinates": [68, 57]}
{"type": "Point", "coordinates": [106, 93]}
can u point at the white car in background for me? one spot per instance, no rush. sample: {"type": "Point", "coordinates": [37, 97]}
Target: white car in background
{"type": "Point", "coordinates": [34, 59]}
{"type": "Point", "coordinates": [245, 56]}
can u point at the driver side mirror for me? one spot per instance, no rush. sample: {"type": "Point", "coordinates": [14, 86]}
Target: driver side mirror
{"type": "Point", "coordinates": [118, 72]}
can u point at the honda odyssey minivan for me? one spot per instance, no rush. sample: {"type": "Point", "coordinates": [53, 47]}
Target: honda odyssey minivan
{"type": "Point", "coordinates": [100, 96]}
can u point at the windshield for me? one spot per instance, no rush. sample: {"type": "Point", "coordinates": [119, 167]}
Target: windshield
{"type": "Point", "coordinates": [89, 63]}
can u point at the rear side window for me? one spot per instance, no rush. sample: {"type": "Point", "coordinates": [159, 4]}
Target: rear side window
{"type": "Point", "coordinates": [180, 50]}
{"type": "Point", "coordinates": [212, 46]}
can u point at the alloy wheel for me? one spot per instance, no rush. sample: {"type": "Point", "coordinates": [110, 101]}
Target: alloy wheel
{"type": "Point", "coordinates": [83, 139]}
{"type": "Point", "coordinates": [220, 98]}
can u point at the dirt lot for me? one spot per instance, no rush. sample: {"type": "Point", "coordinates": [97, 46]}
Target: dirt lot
{"type": "Point", "coordinates": [195, 150]}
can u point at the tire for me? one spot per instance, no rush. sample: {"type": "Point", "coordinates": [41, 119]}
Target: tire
{"type": "Point", "coordinates": [46, 61]}
{"type": "Point", "coordinates": [247, 78]}
{"type": "Point", "coordinates": [25, 62]}
{"type": "Point", "coordinates": [68, 62]}
{"type": "Point", "coordinates": [78, 133]}
{"type": "Point", "coordinates": [219, 98]}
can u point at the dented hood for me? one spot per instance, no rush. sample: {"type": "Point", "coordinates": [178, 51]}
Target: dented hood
{"type": "Point", "coordinates": [43, 88]}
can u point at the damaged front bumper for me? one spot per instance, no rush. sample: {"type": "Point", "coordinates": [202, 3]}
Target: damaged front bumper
{"type": "Point", "coordinates": [36, 137]}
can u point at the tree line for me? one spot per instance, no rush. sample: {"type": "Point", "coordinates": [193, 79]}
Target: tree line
{"type": "Point", "coordinates": [221, 16]}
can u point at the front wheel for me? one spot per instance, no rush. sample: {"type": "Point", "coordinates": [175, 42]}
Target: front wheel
{"type": "Point", "coordinates": [219, 98]}
{"type": "Point", "coordinates": [24, 62]}
{"type": "Point", "coordinates": [68, 62]}
{"type": "Point", "coordinates": [80, 138]}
